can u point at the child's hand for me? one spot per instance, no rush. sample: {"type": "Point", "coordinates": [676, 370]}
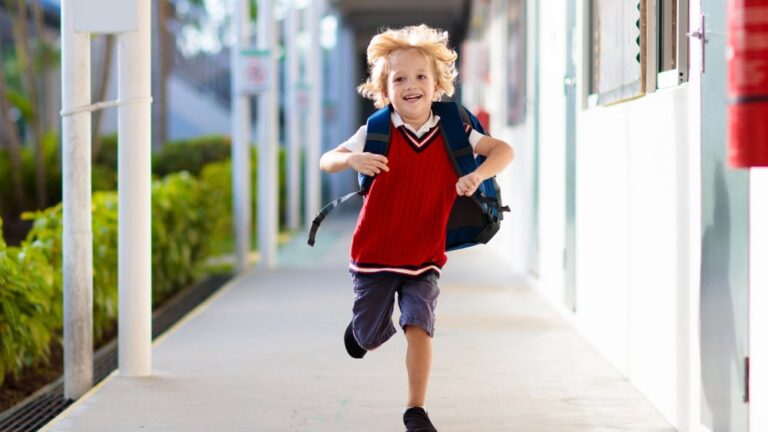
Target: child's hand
{"type": "Point", "coordinates": [468, 184]}
{"type": "Point", "coordinates": [368, 163]}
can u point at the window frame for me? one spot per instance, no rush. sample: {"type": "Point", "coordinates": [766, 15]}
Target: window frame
{"type": "Point", "coordinates": [592, 96]}
{"type": "Point", "coordinates": [659, 80]}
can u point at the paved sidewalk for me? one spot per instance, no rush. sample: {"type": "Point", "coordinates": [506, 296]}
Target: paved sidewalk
{"type": "Point", "coordinates": [266, 354]}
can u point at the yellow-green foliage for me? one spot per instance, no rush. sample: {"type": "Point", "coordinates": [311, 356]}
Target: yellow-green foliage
{"type": "Point", "coordinates": [185, 213]}
{"type": "Point", "coordinates": [27, 310]}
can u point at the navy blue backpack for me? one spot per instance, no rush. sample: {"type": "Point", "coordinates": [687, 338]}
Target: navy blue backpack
{"type": "Point", "coordinates": [473, 220]}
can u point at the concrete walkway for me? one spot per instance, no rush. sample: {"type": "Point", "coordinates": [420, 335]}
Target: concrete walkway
{"type": "Point", "coordinates": [266, 354]}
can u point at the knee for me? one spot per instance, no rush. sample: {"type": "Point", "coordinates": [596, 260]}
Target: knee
{"type": "Point", "coordinates": [413, 332]}
{"type": "Point", "coordinates": [369, 342]}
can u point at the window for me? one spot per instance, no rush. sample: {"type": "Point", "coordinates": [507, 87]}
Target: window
{"type": "Point", "coordinates": [617, 50]}
{"type": "Point", "coordinates": [671, 42]}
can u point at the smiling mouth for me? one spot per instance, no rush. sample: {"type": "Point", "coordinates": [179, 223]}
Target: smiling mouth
{"type": "Point", "coordinates": [412, 98]}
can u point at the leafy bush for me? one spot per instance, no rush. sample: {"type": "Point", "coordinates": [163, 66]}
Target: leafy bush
{"type": "Point", "coordinates": [28, 178]}
{"type": "Point", "coordinates": [189, 216]}
{"type": "Point", "coordinates": [31, 301]}
{"type": "Point", "coordinates": [216, 179]}
{"type": "Point", "coordinates": [107, 154]}
{"type": "Point", "coordinates": [27, 312]}
{"type": "Point", "coordinates": [180, 232]}
{"type": "Point", "coordinates": [190, 155]}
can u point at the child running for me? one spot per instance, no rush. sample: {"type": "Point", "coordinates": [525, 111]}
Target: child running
{"type": "Point", "coordinates": [399, 242]}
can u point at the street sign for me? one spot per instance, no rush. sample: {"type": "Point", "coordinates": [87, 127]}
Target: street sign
{"type": "Point", "coordinates": [99, 16]}
{"type": "Point", "coordinates": [255, 75]}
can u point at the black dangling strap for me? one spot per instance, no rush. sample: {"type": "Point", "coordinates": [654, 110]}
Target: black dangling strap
{"type": "Point", "coordinates": [324, 212]}
{"type": "Point", "coordinates": [493, 202]}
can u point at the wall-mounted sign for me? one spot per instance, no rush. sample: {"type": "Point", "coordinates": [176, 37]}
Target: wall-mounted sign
{"type": "Point", "coordinates": [99, 16]}
{"type": "Point", "coordinates": [254, 76]}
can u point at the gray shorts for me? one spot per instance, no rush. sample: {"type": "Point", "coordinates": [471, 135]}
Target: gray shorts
{"type": "Point", "coordinates": [375, 300]}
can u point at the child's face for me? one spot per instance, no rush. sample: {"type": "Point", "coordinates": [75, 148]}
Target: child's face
{"type": "Point", "coordinates": [410, 84]}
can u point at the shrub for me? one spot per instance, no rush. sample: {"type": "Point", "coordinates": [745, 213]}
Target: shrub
{"type": "Point", "coordinates": [27, 312]}
{"type": "Point", "coordinates": [180, 232]}
{"type": "Point", "coordinates": [31, 301]}
{"type": "Point", "coordinates": [28, 177]}
{"type": "Point", "coordinates": [190, 155]}
{"type": "Point", "coordinates": [46, 234]}
{"type": "Point", "coordinates": [189, 215]}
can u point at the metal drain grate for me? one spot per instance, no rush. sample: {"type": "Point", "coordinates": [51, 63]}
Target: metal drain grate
{"type": "Point", "coordinates": [40, 408]}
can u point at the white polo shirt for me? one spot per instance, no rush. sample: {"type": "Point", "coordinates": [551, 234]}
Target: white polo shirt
{"type": "Point", "coordinates": [356, 142]}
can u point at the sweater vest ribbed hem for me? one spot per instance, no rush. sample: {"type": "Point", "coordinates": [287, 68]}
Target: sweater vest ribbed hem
{"type": "Point", "coordinates": [413, 271]}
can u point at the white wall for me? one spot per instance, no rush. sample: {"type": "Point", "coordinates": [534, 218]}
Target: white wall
{"type": "Point", "coordinates": [636, 212]}
{"type": "Point", "coordinates": [552, 155]}
{"type": "Point", "coordinates": [758, 292]}
{"type": "Point", "coordinates": [633, 214]}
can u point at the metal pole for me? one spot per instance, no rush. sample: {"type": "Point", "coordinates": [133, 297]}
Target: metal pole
{"type": "Point", "coordinates": [268, 143]}
{"type": "Point", "coordinates": [78, 236]}
{"type": "Point", "coordinates": [292, 114]}
{"type": "Point", "coordinates": [314, 129]}
{"type": "Point", "coordinates": [241, 125]}
{"type": "Point", "coordinates": [134, 200]}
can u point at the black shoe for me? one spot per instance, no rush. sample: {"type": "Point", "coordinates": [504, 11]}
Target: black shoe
{"type": "Point", "coordinates": [417, 420]}
{"type": "Point", "coordinates": [353, 348]}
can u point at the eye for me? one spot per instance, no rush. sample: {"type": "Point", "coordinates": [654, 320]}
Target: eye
{"type": "Point", "coordinates": [398, 79]}
{"type": "Point", "coordinates": [422, 76]}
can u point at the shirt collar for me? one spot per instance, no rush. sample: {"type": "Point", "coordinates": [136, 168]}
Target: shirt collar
{"type": "Point", "coordinates": [397, 121]}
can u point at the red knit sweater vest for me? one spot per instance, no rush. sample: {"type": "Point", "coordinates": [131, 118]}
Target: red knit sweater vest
{"type": "Point", "coordinates": [401, 227]}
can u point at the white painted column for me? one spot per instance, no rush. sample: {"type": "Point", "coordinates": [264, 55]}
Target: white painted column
{"type": "Point", "coordinates": [758, 299]}
{"type": "Point", "coordinates": [292, 119]}
{"type": "Point", "coordinates": [267, 198]}
{"type": "Point", "coordinates": [241, 131]}
{"type": "Point", "coordinates": [134, 190]}
{"type": "Point", "coordinates": [78, 236]}
{"type": "Point", "coordinates": [314, 126]}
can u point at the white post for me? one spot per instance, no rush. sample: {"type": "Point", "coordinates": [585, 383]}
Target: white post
{"type": "Point", "coordinates": [268, 142]}
{"type": "Point", "coordinates": [314, 129]}
{"type": "Point", "coordinates": [241, 131]}
{"type": "Point", "coordinates": [134, 202]}
{"type": "Point", "coordinates": [78, 237]}
{"type": "Point", "coordinates": [292, 119]}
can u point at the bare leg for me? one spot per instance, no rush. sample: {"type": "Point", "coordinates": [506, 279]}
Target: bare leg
{"type": "Point", "coordinates": [418, 361]}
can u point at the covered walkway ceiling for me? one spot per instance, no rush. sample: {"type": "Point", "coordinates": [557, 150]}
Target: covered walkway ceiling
{"type": "Point", "coordinates": [366, 17]}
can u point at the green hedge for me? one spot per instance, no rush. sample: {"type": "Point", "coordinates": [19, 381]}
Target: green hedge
{"type": "Point", "coordinates": [52, 176]}
{"type": "Point", "coordinates": [187, 226]}
{"type": "Point", "coordinates": [31, 301]}
{"type": "Point", "coordinates": [29, 312]}
{"type": "Point", "coordinates": [191, 155]}
{"type": "Point", "coordinates": [217, 178]}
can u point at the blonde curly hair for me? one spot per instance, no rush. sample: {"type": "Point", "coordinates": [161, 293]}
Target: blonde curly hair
{"type": "Point", "coordinates": [430, 42]}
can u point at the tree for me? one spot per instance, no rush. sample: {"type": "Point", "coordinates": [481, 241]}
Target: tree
{"type": "Point", "coordinates": [34, 55]}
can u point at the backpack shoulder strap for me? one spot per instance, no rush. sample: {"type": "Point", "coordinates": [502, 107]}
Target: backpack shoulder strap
{"type": "Point", "coordinates": [376, 140]}
{"type": "Point", "coordinates": [456, 141]}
